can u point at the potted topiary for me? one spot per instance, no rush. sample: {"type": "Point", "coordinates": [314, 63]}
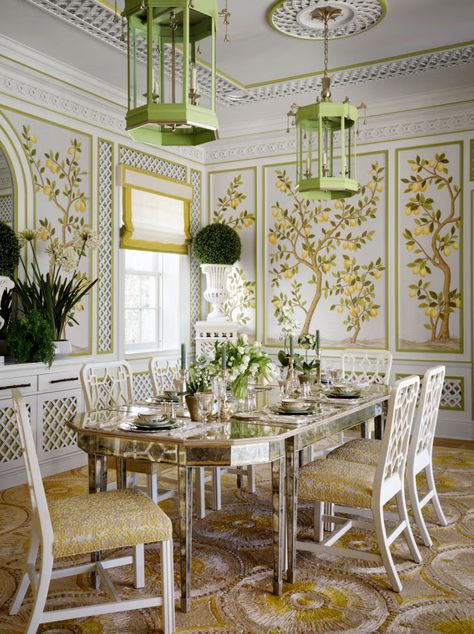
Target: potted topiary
{"type": "Point", "coordinates": [217, 248]}
{"type": "Point", "coordinates": [9, 257]}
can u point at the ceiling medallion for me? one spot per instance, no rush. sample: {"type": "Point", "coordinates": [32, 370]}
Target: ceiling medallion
{"type": "Point", "coordinates": [293, 17]}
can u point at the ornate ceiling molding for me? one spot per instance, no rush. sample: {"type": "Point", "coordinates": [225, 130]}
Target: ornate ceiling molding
{"type": "Point", "coordinates": [98, 21]}
{"type": "Point", "coordinates": [293, 17]}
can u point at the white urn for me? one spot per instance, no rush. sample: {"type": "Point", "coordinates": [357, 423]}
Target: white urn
{"type": "Point", "coordinates": [216, 291]}
{"type": "Point", "coordinates": [6, 284]}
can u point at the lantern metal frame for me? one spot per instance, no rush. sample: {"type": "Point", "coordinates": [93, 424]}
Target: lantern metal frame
{"type": "Point", "coordinates": [177, 26]}
{"type": "Point", "coordinates": [318, 127]}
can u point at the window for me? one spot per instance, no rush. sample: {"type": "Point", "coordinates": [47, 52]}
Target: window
{"type": "Point", "coordinates": [154, 239]}
{"type": "Point", "coordinates": [151, 300]}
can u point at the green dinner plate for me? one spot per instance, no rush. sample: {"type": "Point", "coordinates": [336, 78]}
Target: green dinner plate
{"type": "Point", "coordinates": [293, 412]}
{"type": "Point", "coordinates": [345, 395]}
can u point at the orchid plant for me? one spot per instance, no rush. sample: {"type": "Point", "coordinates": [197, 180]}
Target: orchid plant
{"type": "Point", "coordinates": [56, 294]}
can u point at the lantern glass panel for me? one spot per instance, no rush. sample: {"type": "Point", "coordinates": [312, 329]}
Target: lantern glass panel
{"type": "Point", "coordinates": [350, 152]}
{"type": "Point", "coordinates": [138, 47]}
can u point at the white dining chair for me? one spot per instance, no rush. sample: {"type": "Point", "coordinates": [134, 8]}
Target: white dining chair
{"type": "Point", "coordinates": [366, 366]}
{"type": "Point", "coordinates": [87, 523]}
{"type": "Point", "coordinates": [108, 385]}
{"type": "Point", "coordinates": [361, 486]}
{"type": "Point", "coordinates": [420, 451]}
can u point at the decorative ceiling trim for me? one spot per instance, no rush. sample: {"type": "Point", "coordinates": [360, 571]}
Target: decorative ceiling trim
{"type": "Point", "coordinates": [293, 18]}
{"type": "Point", "coordinates": [98, 20]}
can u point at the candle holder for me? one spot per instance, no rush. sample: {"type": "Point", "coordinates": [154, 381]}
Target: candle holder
{"type": "Point", "coordinates": [180, 385]}
{"type": "Point", "coordinates": [194, 97]}
{"type": "Point", "coordinates": [224, 410]}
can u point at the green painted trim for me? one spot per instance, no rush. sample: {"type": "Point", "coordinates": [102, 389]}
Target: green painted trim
{"type": "Point", "coordinates": [99, 167]}
{"type": "Point", "coordinates": [359, 145]}
{"type": "Point", "coordinates": [252, 168]}
{"type": "Point", "coordinates": [361, 64]}
{"type": "Point", "coordinates": [401, 375]}
{"type": "Point", "coordinates": [277, 4]}
{"type": "Point", "coordinates": [397, 249]}
{"type": "Point", "coordinates": [472, 304]}
{"type": "Point", "coordinates": [14, 193]}
{"type": "Point", "coordinates": [471, 160]}
{"type": "Point", "coordinates": [265, 250]}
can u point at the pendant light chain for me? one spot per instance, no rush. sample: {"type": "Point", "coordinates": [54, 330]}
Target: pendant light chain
{"type": "Point", "coordinates": [326, 44]}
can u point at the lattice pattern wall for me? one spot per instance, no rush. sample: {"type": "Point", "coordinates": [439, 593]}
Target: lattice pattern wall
{"type": "Point", "coordinates": [154, 164]}
{"type": "Point", "coordinates": [142, 388]}
{"type": "Point", "coordinates": [55, 434]}
{"type": "Point", "coordinates": [10, 448]}
{"type": "Point", "coordinates": [196, 182]}
{"type": "Point", "coordinates": [6, 208]}
{"type": "Point", "coordinates": [452, 396]}
{"type": "Point", "coordinates": [105, 254]}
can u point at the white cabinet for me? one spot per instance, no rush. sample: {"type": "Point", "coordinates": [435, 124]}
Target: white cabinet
{"type": "Point", "coordinates": [53, 396]}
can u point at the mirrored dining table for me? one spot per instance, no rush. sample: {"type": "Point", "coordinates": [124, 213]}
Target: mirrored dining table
{"type": "Point", "coordinates": [257, 438]}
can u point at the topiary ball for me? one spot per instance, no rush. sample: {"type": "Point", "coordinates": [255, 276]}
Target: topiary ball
{"type": "Point", "coordinates": [9, 250]}
{"type": "Point", "coordinates": [217, 244]}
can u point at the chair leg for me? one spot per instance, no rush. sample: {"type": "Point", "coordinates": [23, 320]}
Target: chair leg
{"type": "Point", "coordinates": [318, 525]}
{"type": "Point", "coordinates": [200, 493]}
{"type": "Point", "coordinates": [385, 553]}
{"type": "Point", "coordinates": [407, 533]}
{"type": "Point", "coordinates": [152, 486]}
{"type": "Point", "coordinates": [25, 581]}
{"type": "Point", "coordinates": [216, 489]}
{"type": "Point", "coordinates": [251, 481]}
{"type": "Point", "coordinates": [41, 593]}
{"type": "Point", "coordinates": [167, 584]}
{"type": "Point", "coordinates": [435, 499]}
{"type": "Point", "coordinates": [415, 503]}
{"type": "Point", "coordinates": [139, 566]}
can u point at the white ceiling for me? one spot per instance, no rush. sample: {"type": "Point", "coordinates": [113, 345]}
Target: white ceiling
{"type": "Point", "coordinates": [386, 63]}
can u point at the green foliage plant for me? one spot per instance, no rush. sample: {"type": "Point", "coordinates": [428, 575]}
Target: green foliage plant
{"type": "Point", "coordinates": [9, 250]}
{"type": "Point", "coordinates": [30, 339]}
{"type": "Point", "coordinates": [217, 244]}
{"type": "Point", "coordinates": [9, 258]}
{"type": "Point", "coordinates": [200, 376]}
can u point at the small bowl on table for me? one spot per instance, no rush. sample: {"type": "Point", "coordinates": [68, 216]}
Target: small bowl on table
{"type": "Point", "coordinates": [345, 389]}
{"type": "Point", "coordinates": [294, 405]}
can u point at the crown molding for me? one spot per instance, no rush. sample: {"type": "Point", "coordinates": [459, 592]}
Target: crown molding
{"type": "Point", "coordinates": [422, 121]}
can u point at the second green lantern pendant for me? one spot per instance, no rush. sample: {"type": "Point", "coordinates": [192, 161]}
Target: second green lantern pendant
{"type": "Point", "coordinates": [171, 98]}
{"type": "Point", "coordinates": [322, 172]}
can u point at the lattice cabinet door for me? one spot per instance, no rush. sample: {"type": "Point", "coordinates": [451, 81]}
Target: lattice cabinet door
{"type": "Point", "coordinates": [54, 439]}
{"type": "Point", "coordinates": [11, 457]}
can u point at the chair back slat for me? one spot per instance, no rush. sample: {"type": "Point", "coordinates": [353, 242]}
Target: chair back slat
{"type": "Point", "coordinates": [162, 376]}
{"type": "Point", "coordinates": [107, 385]}
{"type": "Point", "coordinates": [427, 413]}
{"type": "Point", "coordinates": [366, 365]}
{"type": "Point", "coordinates": [401, 410]}
{"type": "Point", "coordinates": [41, 520]}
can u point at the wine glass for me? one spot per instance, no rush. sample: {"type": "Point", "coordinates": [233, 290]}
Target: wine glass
{"type": "Point", "coordinates": [205, 403]}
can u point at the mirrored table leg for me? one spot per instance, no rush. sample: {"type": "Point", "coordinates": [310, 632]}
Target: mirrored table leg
{"type": "Point", "coordinates": [185, 495]}
{"type": "Point", "coordinates": [278, 494]}
{"type": "Point", "coordinates": [97, 482]}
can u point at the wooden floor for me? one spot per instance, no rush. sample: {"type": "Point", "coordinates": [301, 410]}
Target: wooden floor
{"type": "Point", "coordinates": [455, 443]}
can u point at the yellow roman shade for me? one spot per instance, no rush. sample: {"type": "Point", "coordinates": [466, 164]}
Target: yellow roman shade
{"type": "Point", "coordinates": [156, 212]}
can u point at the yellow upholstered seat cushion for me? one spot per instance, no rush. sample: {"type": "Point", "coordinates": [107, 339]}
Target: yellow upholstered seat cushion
{"type": "Point", "coordinates": [101, 521]}
{"type": "Point", "coordinates": [338, 481]}
{"type": "Point", "coordinates": [362, 450]}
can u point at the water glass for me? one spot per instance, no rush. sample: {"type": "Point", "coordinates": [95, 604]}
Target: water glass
{"type": "Point", "coordinates": [283, 384]}
{"type": "Point", "coordinates": [250, 401]}
{"type": "Point", "coordinates": [205, 404]}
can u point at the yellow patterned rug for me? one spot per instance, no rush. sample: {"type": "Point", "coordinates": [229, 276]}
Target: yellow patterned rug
{"type": "Point", "coordinates": [232, 570]}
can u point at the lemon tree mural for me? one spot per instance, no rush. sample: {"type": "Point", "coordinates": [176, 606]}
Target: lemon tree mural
{"type": "Point", "coordinates": [433, 237]}
{"type": "Point", "coordinates": [430, 234]}
{"type": "Point", "coordinates": [59, 159]}
{"type": "Point", "coordinates": [318, 257]}
{"type": "Point", "coordinates": [232, 208]}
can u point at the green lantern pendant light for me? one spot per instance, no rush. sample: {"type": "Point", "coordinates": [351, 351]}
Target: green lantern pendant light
{"type": "Point", "coordinates": [165, 106]}
{"type": "Point", "coordinates": [322, 174]}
